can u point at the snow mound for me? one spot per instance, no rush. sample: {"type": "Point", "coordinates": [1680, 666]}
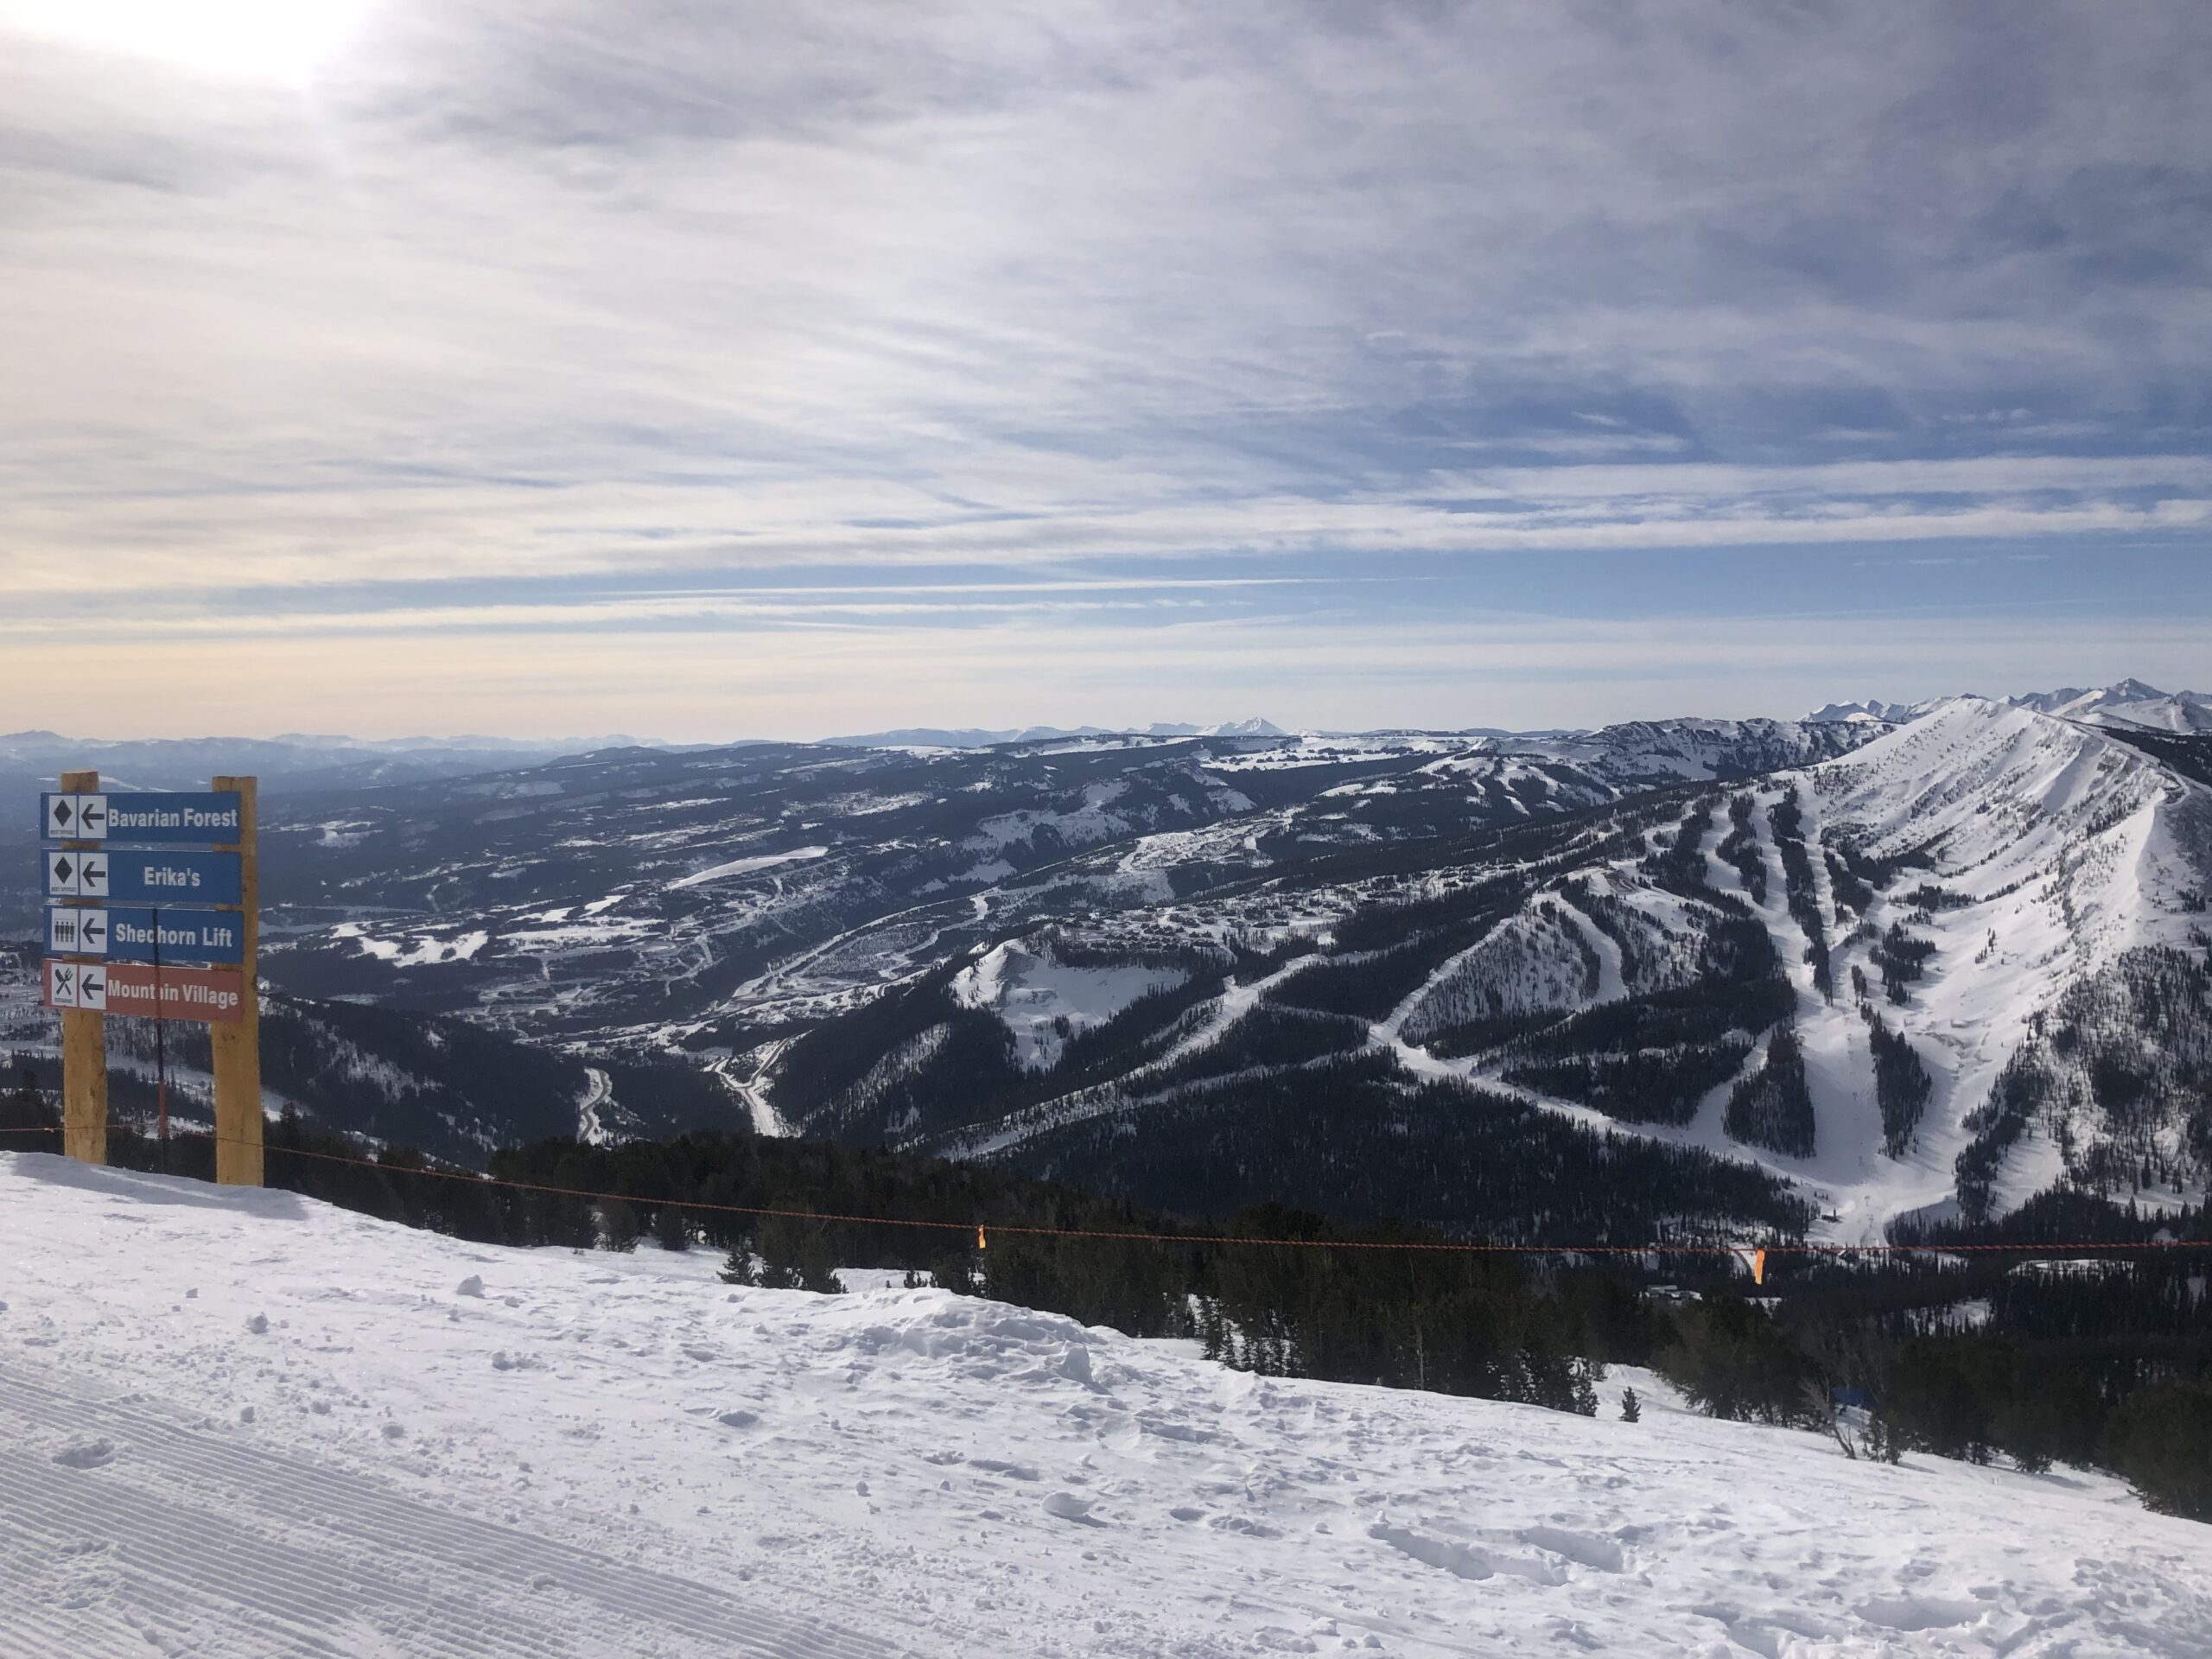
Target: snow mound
{"type": "Point", "coordinates": [687, 1470]}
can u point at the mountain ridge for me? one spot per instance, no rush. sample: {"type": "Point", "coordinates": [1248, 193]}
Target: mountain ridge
{"type": "Point", "coordinates": [1866, 964]}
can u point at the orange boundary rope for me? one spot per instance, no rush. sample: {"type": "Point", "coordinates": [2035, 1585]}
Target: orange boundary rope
{"type": "Point", "coordinates": [1452, 1246]}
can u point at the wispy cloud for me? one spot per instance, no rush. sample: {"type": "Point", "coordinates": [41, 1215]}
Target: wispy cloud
{"type": "Point", "coordinates": [556, 297]}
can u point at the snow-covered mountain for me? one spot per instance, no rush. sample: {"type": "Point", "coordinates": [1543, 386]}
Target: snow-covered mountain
{"type": "Point", "coordinates": [1831, 969]}
{"type": "Point", "coordinates": [2078, 702]}
{"type": "Point", "coordinates": [2187, 713]}
{"type": "Point", "coordinates": [245, 1423]}
{"type": "Point", "coordinates": [1644, 751]}
{"type": "Point", "coordinates": [1872, 708]}
{"type": "Point", "coordinates": [1933, 972]}
{"type": "Point", "coordinates": [978, 737]}
{"type": "Point", "coordinates": [2127, 702]}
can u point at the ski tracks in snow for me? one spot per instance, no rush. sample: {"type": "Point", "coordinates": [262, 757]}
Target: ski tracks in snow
{"type": "Point", "coordinates": [126, 1530]}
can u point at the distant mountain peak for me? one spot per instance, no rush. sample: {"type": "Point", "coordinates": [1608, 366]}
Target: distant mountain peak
{"type": "Point", "coordinates": [980, 737]}
{"type": "Point", "coordinates": [2128, 701]}
{"type": "Point", "coordinates": [1872, 710]}
{"type": "Point", "coordinates": [1254, 727]}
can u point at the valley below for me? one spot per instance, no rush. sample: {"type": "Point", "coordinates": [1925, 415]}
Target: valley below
{"type": "Point", "coordinates": [1753, 978]}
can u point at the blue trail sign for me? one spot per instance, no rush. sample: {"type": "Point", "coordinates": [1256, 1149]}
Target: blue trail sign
{"type": "Point", "coordinates": [205, 818]}
{"type": "Point", "coordinates": [145, 878]}
{"type": "Point", "coordinates": [140, 934]}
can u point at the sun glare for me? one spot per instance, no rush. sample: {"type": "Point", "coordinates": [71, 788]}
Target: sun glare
{"type": "Point", "coordinates": [284, 40]}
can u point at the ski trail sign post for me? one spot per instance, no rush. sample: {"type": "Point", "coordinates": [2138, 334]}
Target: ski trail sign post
{"type": "Point", "coordinates": [153, 912]}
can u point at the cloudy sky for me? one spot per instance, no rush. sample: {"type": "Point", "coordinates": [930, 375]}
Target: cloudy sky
{"type": "Point", "coordinates": [708, 369]}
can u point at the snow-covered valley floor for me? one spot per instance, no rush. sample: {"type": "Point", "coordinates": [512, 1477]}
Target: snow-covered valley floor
{"type": "Point", "coordinates": [240, 1424]}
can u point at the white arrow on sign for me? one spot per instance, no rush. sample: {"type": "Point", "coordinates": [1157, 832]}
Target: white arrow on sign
{"type": "Point", "coordinates": [92, 875]}
{"type": "Point", "coordinates": [91, 988]}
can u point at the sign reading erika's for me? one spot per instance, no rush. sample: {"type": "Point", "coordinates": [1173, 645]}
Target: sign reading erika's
{"type": "Point", "coordinates": [209, 818]}
{"type": "Point", "coordinates": [144, 878]}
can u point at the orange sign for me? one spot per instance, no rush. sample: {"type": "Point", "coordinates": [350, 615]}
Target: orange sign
{"type": "Point", "coordinates": [216, 995]}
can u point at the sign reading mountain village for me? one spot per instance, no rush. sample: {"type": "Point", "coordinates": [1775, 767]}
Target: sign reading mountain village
{"type": "Point", "coordinates": [214, 994]}
{"type": "Point", "coordinates": [153, 913]}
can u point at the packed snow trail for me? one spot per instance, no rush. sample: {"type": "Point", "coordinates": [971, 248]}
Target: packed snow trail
{"type": "Point", "coordinates": [454, 1450]}
{"type": "Point", "coordinates": [191, 1535]}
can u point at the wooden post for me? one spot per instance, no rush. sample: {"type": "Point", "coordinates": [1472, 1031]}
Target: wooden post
{"type": "Point", "coordinates": [83, 1046]}
{"type": "Point", "coordinates": [238, 1047]}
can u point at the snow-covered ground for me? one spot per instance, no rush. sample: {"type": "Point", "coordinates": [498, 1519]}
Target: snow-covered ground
{"type": "Point", "coordinates": [1034, 994]}
{"type": "Point", "coordinates": [242, 1423]}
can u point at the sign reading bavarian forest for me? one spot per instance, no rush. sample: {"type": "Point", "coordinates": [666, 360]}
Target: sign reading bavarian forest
{"type": "Point", "coordinates": [214, 994]}
{"type": "Point", "coordinates": [144, 877]}
{"type": "Point", "coordinates": [208, 817]}
{"type": "Point", "coordinates": [143, 934]}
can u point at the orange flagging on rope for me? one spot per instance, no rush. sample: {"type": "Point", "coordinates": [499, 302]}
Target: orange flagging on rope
{"type": "Point", "coordinates": [1758, 1267]}
{"type": "Point", "coordinates": [980, 1244]}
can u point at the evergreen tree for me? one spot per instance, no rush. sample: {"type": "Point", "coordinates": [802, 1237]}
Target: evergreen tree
{"type": "Point", "coordinates": [1774, 1109]}
{"type": "Point", "coordinates": [1731, 1360]}
{"type": "Point", "coordinates": [954, 1270]}
{"type": "Point", "coordinates": [2161, 1439]}
{"type": "Point", "coordinates": [1902, 1085]}
{"type": "Point", "coordinates": [25, 1108]}
{"type": "Point", "coordinates": [619, 1228]}
{"type": "Point", "coordinates": [671, 1229]}
{"type": "Point", "coordinates": [797, 1254]}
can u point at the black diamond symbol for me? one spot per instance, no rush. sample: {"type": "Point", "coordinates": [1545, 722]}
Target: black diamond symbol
{"type": "Point", "coordinates": [61, 811]}
{"type": "Point", "coordinates": [62, 870]}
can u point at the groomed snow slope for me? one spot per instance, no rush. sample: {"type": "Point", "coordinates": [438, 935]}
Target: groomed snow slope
{"type": "Point", "coordinates": [242, 1424]}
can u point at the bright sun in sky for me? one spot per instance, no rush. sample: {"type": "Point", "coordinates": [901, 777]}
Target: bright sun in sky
{"type": "Point", "coordinates": [285, 40]}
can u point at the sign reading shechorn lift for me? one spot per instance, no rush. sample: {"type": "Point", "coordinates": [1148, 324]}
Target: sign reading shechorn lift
{"type": "Point", "coordinates": [215, 938]}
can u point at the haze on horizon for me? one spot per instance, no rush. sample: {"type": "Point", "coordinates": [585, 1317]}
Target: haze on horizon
{"type": "Point", "coordinates": [380, 367]}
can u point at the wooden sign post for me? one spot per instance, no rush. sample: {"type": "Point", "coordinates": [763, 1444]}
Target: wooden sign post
{"type": "Point", "coordinates": [138, 924]}
{"type": "Point", "coordinates": [83, 1046]}
{"type": "Point", "coordinates": [238, 1045]}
